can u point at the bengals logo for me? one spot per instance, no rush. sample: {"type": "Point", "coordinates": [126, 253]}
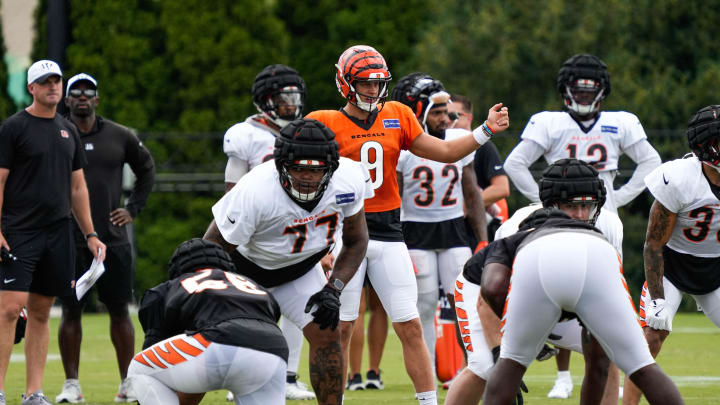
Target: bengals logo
{"type": "Point", "coordinates": [64, 133]}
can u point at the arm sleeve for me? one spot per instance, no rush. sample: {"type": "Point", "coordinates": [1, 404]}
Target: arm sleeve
{"type": "Point", "coordinates": [235, 169]}
{"type": "Point", "coordinates": [143, 165]}
{"type": "Point", "coordinates": [647, 160]}
{"type": "Point", "coordinates": [517, 167]}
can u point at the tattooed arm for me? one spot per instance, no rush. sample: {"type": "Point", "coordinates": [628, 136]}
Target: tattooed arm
{"type": "Point", "coordinates": [213, 235]}
{"type": "Point", "coordinates": [355, 241]}
{"type": "Point", "coordinates": [660, 227]}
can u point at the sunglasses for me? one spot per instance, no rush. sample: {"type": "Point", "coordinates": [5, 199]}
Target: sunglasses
{"type": "Point", "coordinates": [76, 93]}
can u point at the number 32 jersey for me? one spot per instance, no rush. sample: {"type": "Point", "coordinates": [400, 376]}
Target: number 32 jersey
{"type": "Point", "coordinates": [432, 191]}
{"type": "Point", "coordinates": [273, 231]}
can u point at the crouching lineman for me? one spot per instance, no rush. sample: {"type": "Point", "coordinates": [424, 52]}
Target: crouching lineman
{"type": "Point", "coordinates": [681, 252]}
{"type": "Point", "coordinates": [567, 266]}
{"type": "Point", "coordinates": [573, 187]}
{"type": "Point", "coordinates": [208, 328]}
{"type": "Point", "coordinates": [282, 218]}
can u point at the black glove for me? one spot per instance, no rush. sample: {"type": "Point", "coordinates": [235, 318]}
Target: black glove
{"type": "Point", "coordinates": [523, 388]}
{"type": "Point", "coordinates": [327, 314]}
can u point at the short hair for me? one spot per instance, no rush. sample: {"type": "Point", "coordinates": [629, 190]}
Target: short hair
{"type": "Point", "coordinates": [466, 103]}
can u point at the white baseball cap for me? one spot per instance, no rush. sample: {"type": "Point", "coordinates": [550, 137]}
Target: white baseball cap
{"type": "Point", "coordinates": [78, 78]}
{"type": "Point", "coordinates": [41, 70]}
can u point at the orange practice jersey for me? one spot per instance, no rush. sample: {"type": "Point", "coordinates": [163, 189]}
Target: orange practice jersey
{"type": "Point", "coordinates": [377, 146]}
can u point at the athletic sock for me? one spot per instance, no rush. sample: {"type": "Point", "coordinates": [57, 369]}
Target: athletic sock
{"type": "Point", "coordinates": [291, 378]}
{"type": "Point", "coordinates": [564, 375]}
{"type": "Point", "coordinates": [427, 398]}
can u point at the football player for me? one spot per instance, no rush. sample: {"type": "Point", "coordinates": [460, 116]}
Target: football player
{"type": "Point", "coordinates": [278, 94]}
{"type": "Point", "coordinates": [682, 250]}
{"type": "Point", "coordinates": [584, 132]}
{"type": "Point", "coordinates": [573, 187]}
{"type": "Point", "coordinates": [373, 131]}
{"type": "Point", "coordinates": [433, 195]}
{"type": "Point", "coordinates": [208, 328]}
{"type": "Point", "coordinates": [282, 218]}
{"type": "Point", "coordinates": [566, 266]}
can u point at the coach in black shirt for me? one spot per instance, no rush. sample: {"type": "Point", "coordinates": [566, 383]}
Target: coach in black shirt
{"type": "Point", "coordinates": [108, 146]}
{"type": "Point", "coordinates": [41, 184]}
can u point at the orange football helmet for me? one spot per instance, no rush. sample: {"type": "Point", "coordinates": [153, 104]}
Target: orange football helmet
{"type": "Point", "coordinates": [362, 63]}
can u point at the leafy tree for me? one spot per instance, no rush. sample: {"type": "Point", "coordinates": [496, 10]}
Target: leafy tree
{"type": "Point", "coordinates": [321, 30]}
{"type": "Point", "coordinates": [7, 106]}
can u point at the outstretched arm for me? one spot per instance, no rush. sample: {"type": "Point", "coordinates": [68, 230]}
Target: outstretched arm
{"type": "Point", "coordinates": [432, 148]}
{"type": "Point", "coordinates": [494, 287]}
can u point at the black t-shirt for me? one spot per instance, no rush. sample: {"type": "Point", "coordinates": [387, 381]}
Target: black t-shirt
{"type": "Point", "coordinates": [487, 164]}
{"type": "Point", "coordinates": [222, 306]}
{"type": "Point", "coordinates": [41, 154]}
{"type": "Point", "coordinates": [108, 146]}
{"type": "Point", "coordinates": [692, 274]}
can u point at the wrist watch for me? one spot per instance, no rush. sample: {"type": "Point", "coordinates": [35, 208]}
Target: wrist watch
{"type": "Point", "coordinates": [337, 284]}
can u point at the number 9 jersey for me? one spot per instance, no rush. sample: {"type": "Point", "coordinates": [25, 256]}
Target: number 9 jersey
{"type": "Point", "coordinates": [376, 142]}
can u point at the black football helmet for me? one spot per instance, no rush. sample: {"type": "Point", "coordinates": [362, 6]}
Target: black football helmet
{"type": "Point", "coordinates": [703, 135]}
{"type": "Point", "coordinates": [196, 254]}
{"type": "Point", "coordinates": [583, 82]}
{"type": "Point", "coordinates": [279, 93]}
{"type": "Point", "coordinates": [306, 144]}
{"type": "Point", "coordinates": [572, 181]}
{"type": "Point", "coordinates": [421, 93]}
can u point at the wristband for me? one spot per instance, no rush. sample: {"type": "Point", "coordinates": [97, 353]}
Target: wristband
{"type": "Point", "coordinates": [91, 235]}
{"type": "Point", "coordinates": [486, 127]}
{"type": "Point", "coordinates": [480, 135]}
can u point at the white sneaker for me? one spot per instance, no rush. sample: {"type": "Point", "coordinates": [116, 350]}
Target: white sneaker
{"type": "Point", "coordinates": [620, 392]}
{"type": "Point", "coordinates": [229, 397]}
{"type": "Point", "coordinates": [71, 392]}
{"type": "Point", "coordinates": [125, 392]}
{"type": "Point", "coordinates": [562, 389]}
{"type": "Point", "coordinates": [298, 391]}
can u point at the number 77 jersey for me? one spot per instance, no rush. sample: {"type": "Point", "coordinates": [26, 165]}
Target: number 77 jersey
{"type": "Point", "coordinates": [376, 142]}
{"type": "Point", "coordinates": [272, 231]}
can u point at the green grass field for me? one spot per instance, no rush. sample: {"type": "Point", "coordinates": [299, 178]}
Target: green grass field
{"type": "Point", "coordinates": [691, 356]}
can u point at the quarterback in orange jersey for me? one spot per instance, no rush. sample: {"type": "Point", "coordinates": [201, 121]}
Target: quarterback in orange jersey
{"type": "Point", "coordinates": [374, 132]}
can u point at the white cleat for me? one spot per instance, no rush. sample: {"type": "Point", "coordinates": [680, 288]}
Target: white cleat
{"type": "Point", "coordinates": [229, 397]}
{"type": "Point", "coordinates": [298, 391]}
{"type": "Point", "coordinates": [71, 392]}
{"type": "Point", "coordinates": [561, 390]}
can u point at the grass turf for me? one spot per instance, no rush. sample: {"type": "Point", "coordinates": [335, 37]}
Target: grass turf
{"type": "Point", "coordinates": [691, 356]}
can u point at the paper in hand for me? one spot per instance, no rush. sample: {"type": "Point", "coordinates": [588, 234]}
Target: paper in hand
{"type": "Point", "coordinates": [88, 279]}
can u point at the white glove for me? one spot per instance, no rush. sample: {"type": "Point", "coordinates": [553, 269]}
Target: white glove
{"type": "Point", "coordinates": [657, 316]}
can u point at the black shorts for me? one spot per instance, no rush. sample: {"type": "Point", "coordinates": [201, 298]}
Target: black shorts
{"type": "Point", "coordinates": [46, 259]}
{"type": "Point", "coordinates": [115, 286]}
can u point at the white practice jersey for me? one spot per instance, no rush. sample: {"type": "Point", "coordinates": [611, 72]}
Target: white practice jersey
{"type": "Point", "coordinates": [607, 222]}
{"type": "Point", "coordinates": [432, 191]}
{"type": "Point", "coordinates": [250, 141]}
{"type": "Point", "coordinates": [680, 186]}
{"type": "Point", "coordinates": [272, 230]}
{"type": "Point", "coordinates": [562, 137]}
